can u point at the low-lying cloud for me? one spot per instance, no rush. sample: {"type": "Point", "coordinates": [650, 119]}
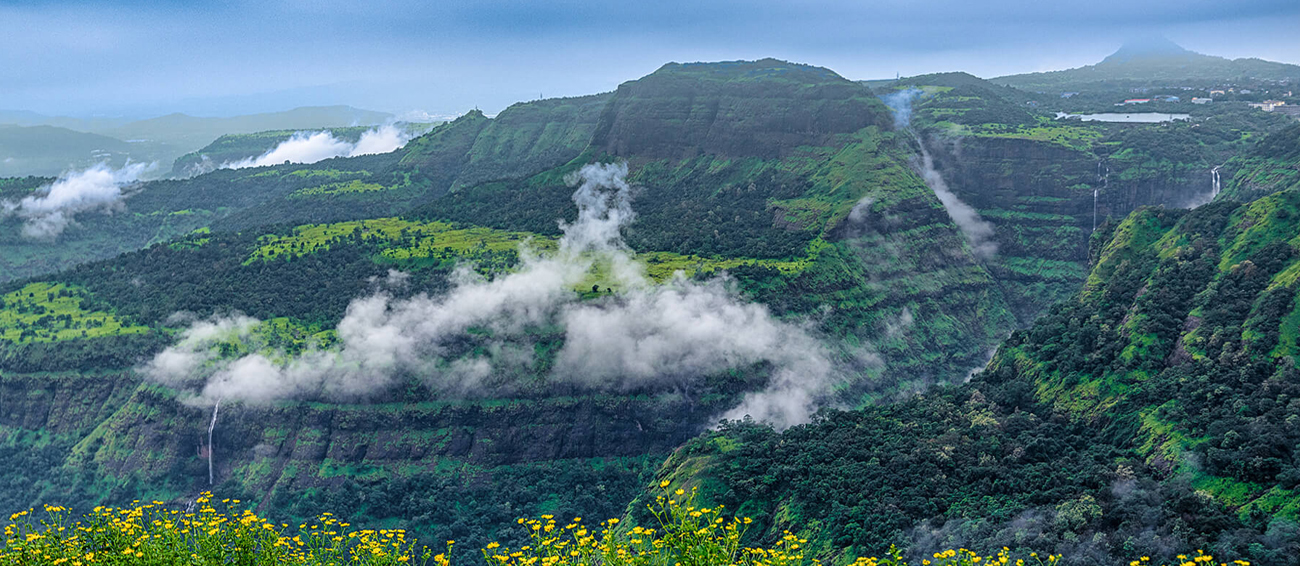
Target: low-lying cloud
{"type": "Point", "coordinates": [310, 147]}
{"type": "Point", "coordinates": [49, 211]}
{"type": "Point", "coordinates": [978, 232]}
{"type": "Point", "coordinates": [645, 335]}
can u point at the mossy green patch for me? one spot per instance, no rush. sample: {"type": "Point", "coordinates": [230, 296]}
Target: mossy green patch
{"type": "Point", "coordinates": [1076, 137]}
{"type": "Point", "coordinates": [1275, 218]}
{"type": "Point", "coordinates": [402, 239]}
{"type": "Point", "coordinates": [50, 312]}
{"type": "Point", "coordinates": [353, 186]}
{"type": "Point", "coordinates": [325, 173]}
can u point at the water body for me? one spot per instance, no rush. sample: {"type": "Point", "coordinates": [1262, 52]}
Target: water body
{"type": "Point", "coordinates": [1135, 118]}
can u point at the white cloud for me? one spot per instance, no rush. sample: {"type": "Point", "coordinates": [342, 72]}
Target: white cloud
{"type": "Point", "coordinates": [978, 232]}
{"type": "Point", "coordinates": [53, 208]}
{"type": "Point", "coordinates": [644, 335]}
{"type": "Point", "coordinates": [310, 147]}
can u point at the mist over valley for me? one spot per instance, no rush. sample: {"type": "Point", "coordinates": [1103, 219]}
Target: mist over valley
{"type": "Point", "coordinates": [822, 316]}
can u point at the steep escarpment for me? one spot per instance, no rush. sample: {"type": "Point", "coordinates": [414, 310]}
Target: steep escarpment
{"type": "Point", "coordinates": [1045, 184]}
{"type": "Point", "coordinates": [525, 139]}
{"type": "Point", "coordinates": [532, 136]}
{"type": "Point", "coordinates": [1148, 413]}
{"type": "Point", "coordinates": [766, 108]}
{"type": "Point", "coordinates": [829, 228]}
{"type": "Point", "coordinates": [113, 438]}
{"type": "Point", "coordinates": [1271, 166]}
{"type": "Point", "coordinates": [787, 178]}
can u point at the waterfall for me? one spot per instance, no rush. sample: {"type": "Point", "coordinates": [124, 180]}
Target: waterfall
{"type": "Point", "coordinates": [1103, 177]}
{"type": "Point", "coordinates": [1094, 210]}
{"type": "Point", "coordinates": [1215, 182]}
{"type": "Point", "coordinates": [211, 427]}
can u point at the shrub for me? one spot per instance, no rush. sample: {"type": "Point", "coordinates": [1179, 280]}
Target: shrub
{"type": "Point", "coordinates": [684, 534]}
{"type": "Point", "coordinates": [151, 535]}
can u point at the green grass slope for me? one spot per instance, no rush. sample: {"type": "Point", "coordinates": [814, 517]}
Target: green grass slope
{"type": "Point", "coordinates": [1273, 165]}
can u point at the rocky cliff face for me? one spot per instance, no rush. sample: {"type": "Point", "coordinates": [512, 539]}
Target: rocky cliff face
{"type": "Point", "coordinates": [1150, 414]}
{"type": "Point", "coordinates": [764, 108]}
{"type": "Point", "coordinates": [110, 437]}
{"type": "Point", "coordinates": [1044, 200]}
{"type": "Point", "coordinates": [789, 177]}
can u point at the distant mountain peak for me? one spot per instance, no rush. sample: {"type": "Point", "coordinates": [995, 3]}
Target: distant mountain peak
{"type": "Point", "coordinates": [1147, 48]}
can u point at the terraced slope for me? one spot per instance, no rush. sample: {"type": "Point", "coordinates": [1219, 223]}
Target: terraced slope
{"type": "Point", "coordinates": [813, 207]}
{"type": "Point", "coordinates": [829, 226]}
{"type": "Point", "coordinates": [1046, 183]}
{"type": "Point", "coordinates": [1149, 414]}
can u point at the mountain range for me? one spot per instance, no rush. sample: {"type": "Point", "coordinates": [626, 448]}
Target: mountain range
{"type": "Point", "coordinates": [35, 144]}
{"type": "Point", "coordinates": [1155, 62]}
{"type": "Point", "coordinates": [954, 320]}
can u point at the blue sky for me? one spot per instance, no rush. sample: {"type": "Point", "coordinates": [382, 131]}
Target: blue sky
{"type": "Point", "coordinates": [221, 57]}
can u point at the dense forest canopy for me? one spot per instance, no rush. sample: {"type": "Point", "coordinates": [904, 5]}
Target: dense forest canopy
{"type": "Point", "coordinates": [1137, 401]}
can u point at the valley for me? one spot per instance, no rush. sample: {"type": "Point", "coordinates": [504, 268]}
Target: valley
{"type": "Point", "coordinates": [1109, 375]}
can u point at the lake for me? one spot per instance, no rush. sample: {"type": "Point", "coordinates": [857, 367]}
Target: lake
{"type": "Point", "coordinates": [1136, 117]}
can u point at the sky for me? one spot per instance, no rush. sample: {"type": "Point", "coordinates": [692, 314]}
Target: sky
{"type": "Point", "coordinates": [136, 58]}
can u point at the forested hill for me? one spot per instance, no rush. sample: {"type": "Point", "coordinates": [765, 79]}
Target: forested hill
{"type": "Point", "coordinates": [788, 178]}
{"type": "Point", "coordinates": [765, 109]}
{"type": "Point", "coordinates": [1152, 414]}
{"type": "Point", "coordinates": [1154, 62]}
{"type": "Point", "coordinates": [1272, 165]}
{"type": "Point", "coordinates": [522, 140]}
{"type": "Point", "coordinates": [820, 218]}
{"type": "Point", "coordinates": [231, 148]}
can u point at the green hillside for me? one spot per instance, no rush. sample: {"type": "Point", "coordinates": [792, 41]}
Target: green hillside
{"type": "Point", "coordinates": [790, 179]}
{"type": "Point", "coordinates": [896, 284]}
{"type": "Point", "coordinates": [1034, 176]}
{"type": "Point", "coordinates": [1148, 415]}
{"type": "Point", "coordinates": [1272, 165]}
{"type": "Point", "coordinates": [234, 147]}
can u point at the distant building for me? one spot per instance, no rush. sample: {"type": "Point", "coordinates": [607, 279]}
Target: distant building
{"type": "Point", "coordinates": [1267, 105]}
{"type": "Point", "coordinates": [1196, 100]}
{"type": "Point", "coordinates": [1167, 98]}
{"type": "Point", "coordinates": [1217, 93]}
{"type": "Point", "coordinates": [1246, 91]}
{"type": "Point", "coordinates": [1072, 94]}
{"type": "Point", "coordinates": [1136, 101]}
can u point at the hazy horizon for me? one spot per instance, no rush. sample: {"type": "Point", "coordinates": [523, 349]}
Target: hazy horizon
{"type": "Point", "coordinates": [137, 60]}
